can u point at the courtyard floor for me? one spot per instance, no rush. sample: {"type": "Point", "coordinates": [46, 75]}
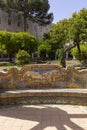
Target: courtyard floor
{"type": "Point", "coordinates": [43, 117]}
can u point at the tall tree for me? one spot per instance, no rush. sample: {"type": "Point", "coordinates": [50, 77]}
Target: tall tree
{"type": "Point", "coordinates": [35, 10]}
{"type": "Point", "coordinates": [59, 37]}
{"type": "Point", "coordinates": [72, 31]}
{"type": "Point", "coordinates": [11, 43]}
{"type": "Point", "coordinates": [78, 29]}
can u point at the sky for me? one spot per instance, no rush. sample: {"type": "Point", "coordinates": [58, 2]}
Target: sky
{"type": "Point", "coordinates": [65, 8]}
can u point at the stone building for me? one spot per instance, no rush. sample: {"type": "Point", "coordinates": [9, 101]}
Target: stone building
{"type": "Point", "coordinates": [15, 24]}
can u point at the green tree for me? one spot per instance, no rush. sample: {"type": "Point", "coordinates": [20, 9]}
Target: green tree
{"type": "Point", "coordinates": [11, 43]}
{"type": "Point", "coordinates": [26, 42]}
{"type": "Point", "coordinates": [7, 46]}
{"type": "Point", "coordinates": [2, 4]}
{"type": "Point", "coordinates": [75, 52]}
{"type": "Point", "coordinates": [59, 37]}
{"type": "Point", "coordinates": [78, 29]}
{"type": "Point", "coordinates": [35, 10]}
{"type": "Point", "coordinates": [44, 50]}
{"type": "Point", "coordinates": [72, 31]}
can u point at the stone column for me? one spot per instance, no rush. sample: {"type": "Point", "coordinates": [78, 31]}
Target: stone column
{"type": "Point", "coordinates": [32, 55]}
{"type": "Point", "coordinates": [67, 55]}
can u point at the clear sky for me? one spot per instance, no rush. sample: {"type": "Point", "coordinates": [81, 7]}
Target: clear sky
{"type": "Point", "coordinates": [64, 8]}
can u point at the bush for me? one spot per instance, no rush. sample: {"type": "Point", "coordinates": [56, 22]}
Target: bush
{"type": "Point", "coordinates": [61, 56]}
{"type": "Point", "coordinates": [22, 57]}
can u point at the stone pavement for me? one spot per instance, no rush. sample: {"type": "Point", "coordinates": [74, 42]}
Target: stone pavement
{"type": "Point", "coordinates": [43, 117]}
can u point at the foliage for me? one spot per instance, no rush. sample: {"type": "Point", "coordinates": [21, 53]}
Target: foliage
{"type": "Point", "coordinates": [72, 31]}
{"type": "Point", "coordinates": [44, 49]}
{"type": "Point", "coordinates": [2, 4]}
{"type": "Point", "coordinates": [78, 29]}
{"type": "Point", "coordinates": [25, 41]}
{"type": "Point", "coordinates": [61, 55]}
{"type": "Point", "coordinates": [5, 43]}
{"type": "Point", "coordinates": [83, 51]}
{"type": "Point", "coordinates": [50, 47]}
{"type": "Point", "coordinates": [58, 35]}
{"type": "Point", "coordinates": [35, 10]}
{"type": "Point", "coordinates": [59, 32]}
{"type": "Point", "coordinates": [22, 57]}
{"type": "Point", "coordinates": [11, 43]}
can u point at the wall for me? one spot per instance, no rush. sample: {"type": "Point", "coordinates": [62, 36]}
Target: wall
{"type": "Point", "coordinates": [32, 28]}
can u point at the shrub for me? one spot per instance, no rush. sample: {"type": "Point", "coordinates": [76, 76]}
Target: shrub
{"type": "Point", "coordinates": [22, 57]}
{"type": "Point", "coordinates": [61, 56]}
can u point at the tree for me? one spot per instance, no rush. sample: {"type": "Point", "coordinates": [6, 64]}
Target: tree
{"type": "Point", "coordinates": [7, 47]}
{"type": "Point", "coordinates": [11, 43]}
{"type": "Point", "coordinates": [78, 29]}
{"type": "Point", "coordinates": [2, 4]}
{"type": "Point", "coordinates": [83, 48]}
{"type": "Point", "coordinates": [44, 49]}
{"type": "Point", "coordinates": [25, 41]}
{"type": "Point", "coordinates": [35, 10]}
{"type": "Point", "coordinates": [72, 31]}
{"type": "Point", "coordinates": [59, 37]}
{"type": "Point", "coordinates": [45, 45]}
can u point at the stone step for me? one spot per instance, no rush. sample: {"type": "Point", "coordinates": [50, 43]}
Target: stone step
{"type": "Point", "coordinates": [44, 96]}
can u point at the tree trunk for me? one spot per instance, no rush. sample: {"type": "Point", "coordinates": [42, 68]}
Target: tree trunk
{"type": "Point", "coordinates": [79, 50]}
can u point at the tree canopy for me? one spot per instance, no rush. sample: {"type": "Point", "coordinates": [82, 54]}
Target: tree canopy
{"type": "Point", "coordinates": [69, 33]}
{"type": "Point", "coordinates": [83, 48]}
{"type": "Point", "coordinates": [78, 28]}
{"type": "Point", "coordinates": [11, 43]}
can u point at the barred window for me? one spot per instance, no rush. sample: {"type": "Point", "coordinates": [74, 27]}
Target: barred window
{"type": "Point", "coordinates": [0, 20]}
{"type": "Point", "coordinates": [9, 21]}
{"type": "Point", "coordinates": [18, 23]}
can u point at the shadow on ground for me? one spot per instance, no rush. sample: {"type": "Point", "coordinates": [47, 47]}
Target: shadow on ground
{"type": "Point", "coordinates": [45, 116]}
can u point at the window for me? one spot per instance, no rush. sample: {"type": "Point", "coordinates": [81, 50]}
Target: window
{"type": "Point", "coordinates": [27, 25]}
{"type": "Point", "coordinates": [41, 29]}
{"type": "Point", "coordinates": [18, 24]}
{"type": "Point", "coordinates": [9, 21]}
{"type": "Point", "coordinates": [0, 20]}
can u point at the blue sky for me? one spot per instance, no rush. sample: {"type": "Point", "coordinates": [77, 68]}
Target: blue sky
{"type": "Point", "coordinates": [64, 8]}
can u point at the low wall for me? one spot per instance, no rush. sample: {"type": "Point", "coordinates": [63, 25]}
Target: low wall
{"type": "Point", "coordinates": [58, 96]}
{"type": "Point", "coordinates": [43, 76]}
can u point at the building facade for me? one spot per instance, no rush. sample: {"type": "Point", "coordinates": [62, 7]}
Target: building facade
{"type": "Point", "coordinates": [16, 24]}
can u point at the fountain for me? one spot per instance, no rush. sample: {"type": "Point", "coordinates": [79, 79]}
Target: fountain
{"type": "Point", "coordinates": [43, 76]}
{"type": "Point", "coordinates": [43, 84]}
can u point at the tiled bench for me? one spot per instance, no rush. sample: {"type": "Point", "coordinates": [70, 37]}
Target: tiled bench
{"type": "Point", "coordinates": [44, 96]}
